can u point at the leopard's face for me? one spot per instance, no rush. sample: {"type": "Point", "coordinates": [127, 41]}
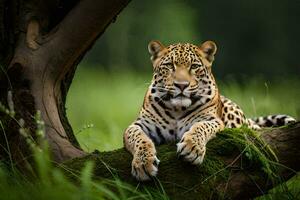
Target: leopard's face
{"type": "Point", "coordinates": [182, 72]}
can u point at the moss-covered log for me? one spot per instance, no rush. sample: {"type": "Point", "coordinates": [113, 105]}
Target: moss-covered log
{"type": "Point", "coordinates": [239, 165]}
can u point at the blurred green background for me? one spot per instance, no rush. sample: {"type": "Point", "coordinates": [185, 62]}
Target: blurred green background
{"type": "Point", "coordinates": [256, 64]}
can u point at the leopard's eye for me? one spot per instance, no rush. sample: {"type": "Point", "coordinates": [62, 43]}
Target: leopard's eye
{"type": "Point", "coordinates": [195, 66]}
{"type": "Point", "coordinates": [169, 65]}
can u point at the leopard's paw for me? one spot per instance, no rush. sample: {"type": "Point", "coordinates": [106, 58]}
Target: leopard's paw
{"type": "Point", "coordinates": [191, 149]}
{"type": "Point", "coordinates": [144, 166]}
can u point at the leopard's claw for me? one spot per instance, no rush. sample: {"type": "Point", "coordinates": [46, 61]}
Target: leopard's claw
{"type": "Point", "coordinates": [144, 168]}
{"type": "Point", "coordinates": [191, 150]}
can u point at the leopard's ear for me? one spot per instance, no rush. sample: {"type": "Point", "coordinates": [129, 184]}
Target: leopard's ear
{"type": "Point", "coordinates": [154, 47]}
{"type": "Point", "coordinates": [209, 48]}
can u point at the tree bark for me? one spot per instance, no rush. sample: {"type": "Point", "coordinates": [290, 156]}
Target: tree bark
{"type": "Point", "coordinates": [181, 180]}
{"type": "Point", "coordinates": [48, 40]}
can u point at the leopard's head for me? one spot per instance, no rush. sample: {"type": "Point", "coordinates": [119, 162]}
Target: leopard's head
{"type": "Point", "coordinates": [182, 72]}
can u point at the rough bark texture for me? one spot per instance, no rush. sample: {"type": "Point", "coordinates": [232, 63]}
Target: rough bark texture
{"type": "Point", "coordinates": [228, 179]}
{"type": "Point", "coordinates": [42, 43]}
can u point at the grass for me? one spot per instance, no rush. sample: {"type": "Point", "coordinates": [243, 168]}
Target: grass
{"type": "Point", "coordinates": [101, 105]}
{"type": "Point", "coordinates": [53, 184]}
{"type": "Point", "coordinates": [43, 180]}
{"type": "Point", "coordinates": [108, 102]}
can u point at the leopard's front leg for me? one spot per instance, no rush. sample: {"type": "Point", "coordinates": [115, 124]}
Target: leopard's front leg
{"type": "Point", "coordinates": [192, 146]}
{"type": "Point", "coordinates": [145, 163]}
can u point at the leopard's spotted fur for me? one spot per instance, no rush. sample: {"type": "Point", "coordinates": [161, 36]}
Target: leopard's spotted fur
{"type": "Point", "coordinates": [183, 104]}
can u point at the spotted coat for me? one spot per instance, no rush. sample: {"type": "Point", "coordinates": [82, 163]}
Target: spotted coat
{"type": "Point", "coordinates": [183, 105]}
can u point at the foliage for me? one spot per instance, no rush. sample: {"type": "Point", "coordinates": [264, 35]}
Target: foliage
{"type": "Point", "coordinates": [52, 184]}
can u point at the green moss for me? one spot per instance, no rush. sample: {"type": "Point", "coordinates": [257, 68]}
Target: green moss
{"type": "Point", "coordinates": [253, 150]}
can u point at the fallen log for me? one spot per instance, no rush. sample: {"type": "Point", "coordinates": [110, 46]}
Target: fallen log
{"type": "Point", "coordinates": [240, 164]}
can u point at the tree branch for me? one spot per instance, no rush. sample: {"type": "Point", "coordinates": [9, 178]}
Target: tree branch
{"type": "Point", "coordinates": [182, 180]}
{"type": "Point", "coordinates": [77, 32]}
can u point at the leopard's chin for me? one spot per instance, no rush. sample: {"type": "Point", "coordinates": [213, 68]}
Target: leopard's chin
{"type": "Point", "coordinates": [181, 101]}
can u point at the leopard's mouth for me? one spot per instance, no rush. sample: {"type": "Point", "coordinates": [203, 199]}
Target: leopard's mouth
{"type": "Point", "coordinates": [181, 95]}
{"type": "Point", "coordinates": [181, 101]}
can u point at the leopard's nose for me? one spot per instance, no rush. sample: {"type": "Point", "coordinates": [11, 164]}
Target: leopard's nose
{"type": "Point", "coordinates": [181, 84]}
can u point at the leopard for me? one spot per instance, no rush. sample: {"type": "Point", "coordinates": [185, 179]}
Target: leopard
{"type": "Point", "coordinates": [183, 105]}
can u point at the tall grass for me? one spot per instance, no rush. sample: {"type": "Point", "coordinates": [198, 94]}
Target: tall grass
{"type": "Point", "coordinates": [101, 105]}
{"type": "Point", "coordinates": [43, 180]}
{"type": "Point", "coordinates": [53, 184]}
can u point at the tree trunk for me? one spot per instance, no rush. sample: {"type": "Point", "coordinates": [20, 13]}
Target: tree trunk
{"type": "Point", "coordinates": [42, 43]}
{"type": "Point", "coordinates": [234, 178]}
